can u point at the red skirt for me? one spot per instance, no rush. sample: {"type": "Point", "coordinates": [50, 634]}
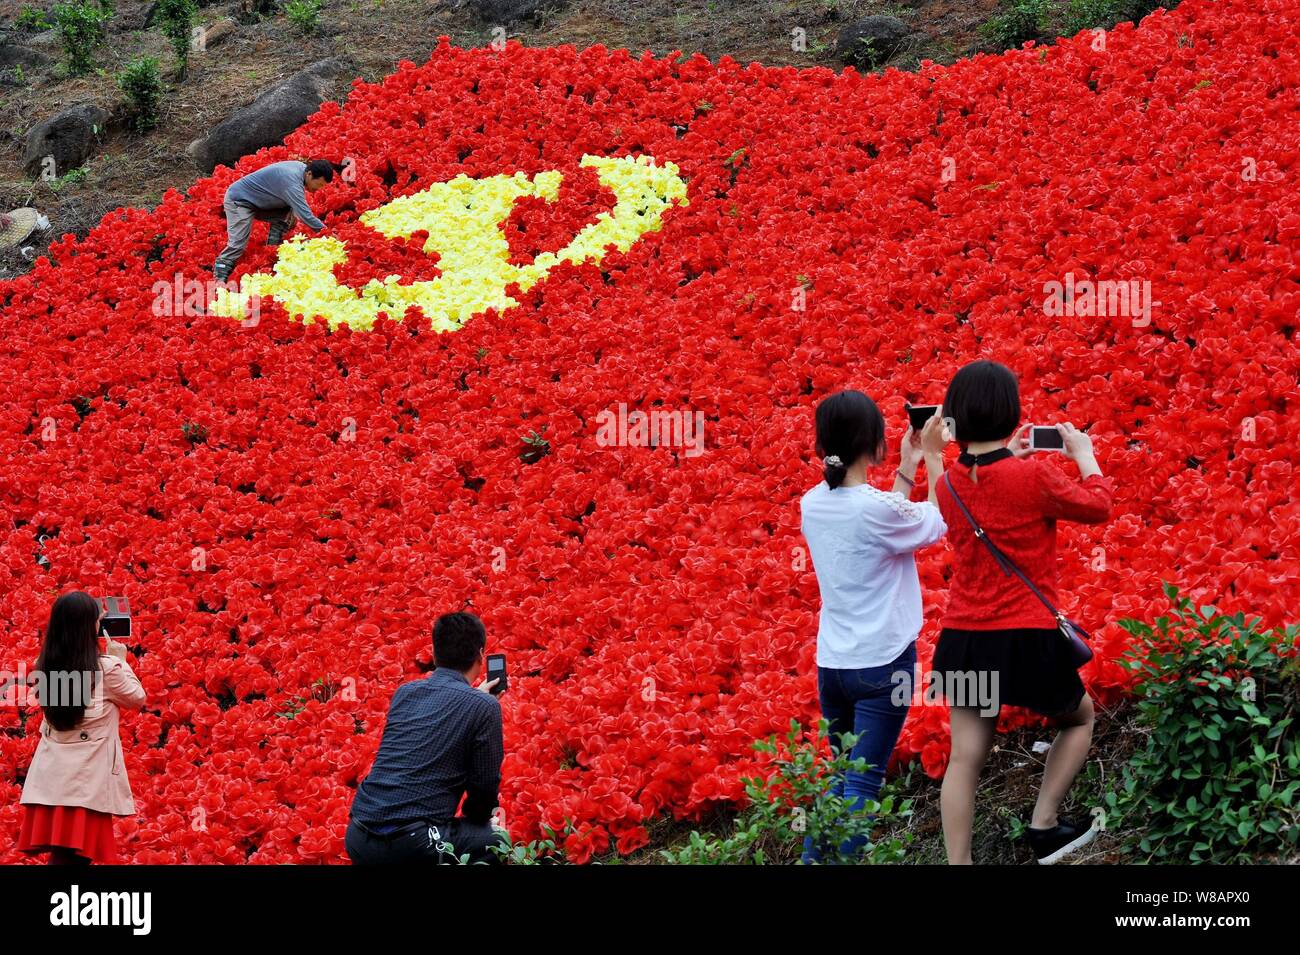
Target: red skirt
{"type": "Point", "coordinates": [87, 832]}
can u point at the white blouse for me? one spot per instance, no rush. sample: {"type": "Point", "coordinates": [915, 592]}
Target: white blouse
{"type": "Point", "coordinates": [862, 540]}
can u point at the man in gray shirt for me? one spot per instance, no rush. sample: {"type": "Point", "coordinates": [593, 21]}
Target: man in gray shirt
{"type": "Point", "coordinates": [277, 194]}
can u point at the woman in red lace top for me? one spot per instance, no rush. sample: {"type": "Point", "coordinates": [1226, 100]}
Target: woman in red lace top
{"type": "Point", "coordinates": [999, 645]}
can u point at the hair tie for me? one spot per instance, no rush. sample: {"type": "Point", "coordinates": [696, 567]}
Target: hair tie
{"type": "Point", "coordinates": [832, 461]}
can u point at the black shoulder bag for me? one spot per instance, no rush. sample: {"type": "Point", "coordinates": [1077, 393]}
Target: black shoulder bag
{"type": "Point", "coordinates": [1074, 635]}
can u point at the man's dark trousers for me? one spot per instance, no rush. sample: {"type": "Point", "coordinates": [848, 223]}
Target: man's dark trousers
{"type": "Point", "coordinates": [419, 843]}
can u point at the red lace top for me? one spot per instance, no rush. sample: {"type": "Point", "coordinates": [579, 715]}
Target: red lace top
{"type": "Point", "coordinates": [1018, 502]}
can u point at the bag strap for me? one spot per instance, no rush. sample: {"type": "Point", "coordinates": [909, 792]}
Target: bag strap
{"type": "Point", "coordinates": [1006, 563]}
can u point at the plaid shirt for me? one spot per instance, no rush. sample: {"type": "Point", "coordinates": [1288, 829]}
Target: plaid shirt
{"type": "Point", "coordinates": [442, 740]}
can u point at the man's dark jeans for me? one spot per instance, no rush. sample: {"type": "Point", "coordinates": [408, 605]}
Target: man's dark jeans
{"type": "Point", "coordinates": [420, 843]}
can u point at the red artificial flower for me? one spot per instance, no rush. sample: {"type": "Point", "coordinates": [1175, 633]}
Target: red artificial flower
{"type": "Point", "coordinates": [289, 507]}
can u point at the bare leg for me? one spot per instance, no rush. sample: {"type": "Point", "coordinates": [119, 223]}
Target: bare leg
{"type": "Point", "coordinates": [1064, 760]}
{"type": "Point", "coordinates": [972, 736]}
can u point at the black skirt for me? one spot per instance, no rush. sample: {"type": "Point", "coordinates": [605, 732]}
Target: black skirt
{"type": "Point", "coordinates": [1022, 667]}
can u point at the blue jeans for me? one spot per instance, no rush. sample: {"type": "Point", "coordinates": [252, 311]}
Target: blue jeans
{"type": "Point", "coordinates": [862, 702]}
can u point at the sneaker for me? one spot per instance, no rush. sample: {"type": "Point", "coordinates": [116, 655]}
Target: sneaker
{"type": "Point", "coordinates": [1052, 845]}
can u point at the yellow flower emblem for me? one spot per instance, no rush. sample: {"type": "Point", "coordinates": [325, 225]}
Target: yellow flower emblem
{"type": "Point", "coordinates": [463, 218]}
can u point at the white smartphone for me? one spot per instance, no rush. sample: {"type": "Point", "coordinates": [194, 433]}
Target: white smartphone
{"type": "Point", "coordinates": [1046, 438]}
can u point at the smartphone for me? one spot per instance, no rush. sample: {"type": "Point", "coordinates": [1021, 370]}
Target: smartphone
{"type": "Point", "coordinates": [1046, 438]}
{"type": "Point", "coordinates": [918, 415]}
{"type": "Point", "coordinates": [496, 670]}
{"type": "Point", "coordinates": [117, 618]}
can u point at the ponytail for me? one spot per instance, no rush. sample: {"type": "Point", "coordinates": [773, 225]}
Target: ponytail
{"type": "Point", "coordinates": [834, 470]}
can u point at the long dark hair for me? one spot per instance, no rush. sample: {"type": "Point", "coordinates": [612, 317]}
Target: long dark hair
{"type": "Point", "coordinates": [849, 425]}
{"type": "Point", "coordinates": [70, 650]}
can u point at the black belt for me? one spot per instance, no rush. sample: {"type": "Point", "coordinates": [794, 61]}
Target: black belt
{"type": "Point", "coordinates": [404, 830]}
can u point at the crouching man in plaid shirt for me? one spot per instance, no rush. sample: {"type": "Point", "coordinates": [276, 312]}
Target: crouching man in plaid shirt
{"type": "Point", "coordinates": [442, 741]}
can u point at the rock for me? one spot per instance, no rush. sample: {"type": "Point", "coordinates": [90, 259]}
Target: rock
{"type": "Point", "coordinates": [507, 11]}
{"type": "Point", "coordinates": [13, 55]}
{"type": "Point", "coordinates": [270, 117]}
{"type": "Point", "coordinates": [69, 138]}
{"type": "Point", "coordinates": [871, 41]}
{"type": "Point", "coordinates": [46, 39]}
{"type": "Point", "coordinates": [219, 32]}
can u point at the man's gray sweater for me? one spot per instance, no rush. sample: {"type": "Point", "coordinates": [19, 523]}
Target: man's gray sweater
{"type": "Point", "coordinates": [275, 187]}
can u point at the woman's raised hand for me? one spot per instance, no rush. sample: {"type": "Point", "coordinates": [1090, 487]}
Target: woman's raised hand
{"type": "Point", "coordinates": [933, 437]}
{"type": "Point", "coordinates": [909, 452]}
{"type": "Point", "coordinates": [1019, 444]}
{"type": "Point", "coordinates": [1078, 444]}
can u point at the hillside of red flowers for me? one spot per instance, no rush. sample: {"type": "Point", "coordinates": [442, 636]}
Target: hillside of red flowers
{"type": "Point", "coordinates": [289, 507]}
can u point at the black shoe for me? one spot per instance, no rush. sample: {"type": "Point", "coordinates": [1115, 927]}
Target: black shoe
{"type": "Point", "coordinates": [1052, 845]}
{"type": "Point", "coordinates": [274, 238]}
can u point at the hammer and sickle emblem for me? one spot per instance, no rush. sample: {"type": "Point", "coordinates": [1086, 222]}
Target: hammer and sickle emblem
{"type": "Point", "coordinates": [463, 219]}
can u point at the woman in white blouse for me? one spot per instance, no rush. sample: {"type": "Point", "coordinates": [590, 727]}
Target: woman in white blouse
{"type": "Point", "coordinates": [862, 541]}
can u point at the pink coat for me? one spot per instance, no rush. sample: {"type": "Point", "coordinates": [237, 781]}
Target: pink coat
{"type": "Point", "coordinates": [84, 766]}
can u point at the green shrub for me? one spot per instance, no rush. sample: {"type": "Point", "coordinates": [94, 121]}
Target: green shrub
{"type": "Point", "coordinates": [70, 178]}
{"type": "Point", "coordinates": [175, 18]}
{"type": "Point", "coordinates": [1079, 15]}
{"type": "Point", "coordinates": [304, 14]}
{"type": "Point", "coordinates": [1018, 22]}
{"type": "Point", "coordinates": [32, 20]}
{"type": "Point", "coordinates": [1021, 20]}
{"type": "Point", "coordinates": [1219, 778]}
{"type": "Point", "coordinates": [81, 29]}
{"type": "Point", "coordinates": [794, 802]}
{"type": "Point", "coordinates": [143, 86]}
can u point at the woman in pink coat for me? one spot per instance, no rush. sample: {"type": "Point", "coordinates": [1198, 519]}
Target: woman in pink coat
{"type": "Point", "coordinates": [77, 781]}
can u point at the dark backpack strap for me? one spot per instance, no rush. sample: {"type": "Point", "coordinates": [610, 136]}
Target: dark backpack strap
{"type": "Point", "coordinates": [1006, 563]}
